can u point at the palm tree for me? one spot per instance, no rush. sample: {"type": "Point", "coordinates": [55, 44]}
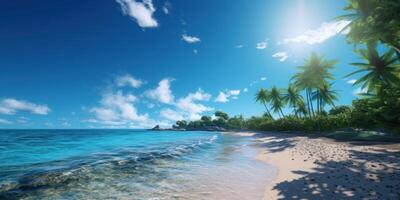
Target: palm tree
{"type": "Point", "coordinates": [381, 70]}
{"type": "Point", "coordinates": [328, 96]}
{"type": "Point", "coordinates": [373, 20]}
{"type": "Point", "coordinates": [313, 75]}
{"type": "Point", "coordinates": [276, 100]}
{"type": "Point", "coordinates": [303, 81]}
{"type": "Point", "coordinates": [301, 109]}
{"type": "Point", "coordinates": [324, 95]}
{"type": "Point", "coordinates": [262, 96]}
{"type": "Point", "coordinates": [293, 97]}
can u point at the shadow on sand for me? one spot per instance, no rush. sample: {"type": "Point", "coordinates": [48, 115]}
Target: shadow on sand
{"type": "Point", "coordinates": [276, 142]}
{"type": "Point", "coordinates": [373, 174]}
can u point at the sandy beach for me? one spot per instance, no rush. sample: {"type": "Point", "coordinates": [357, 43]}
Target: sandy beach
{"type": "Point", "coordinates": [321, 168]}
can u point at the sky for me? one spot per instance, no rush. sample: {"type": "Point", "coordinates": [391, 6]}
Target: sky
{"type": "Point", "coordinates": [135, 64]}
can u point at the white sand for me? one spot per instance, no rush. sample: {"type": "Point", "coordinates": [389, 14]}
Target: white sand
{"type": "Point", "coordinates": [243, 134]}
{"type": "Point", "coordinates": [324, 169]}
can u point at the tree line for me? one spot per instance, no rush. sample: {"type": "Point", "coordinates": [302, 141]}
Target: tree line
{"type": "Point", "coordinates": [373, 23]}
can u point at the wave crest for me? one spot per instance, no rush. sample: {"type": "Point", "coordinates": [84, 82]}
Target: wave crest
{"type": "Point", "coordinates": [84, 168]}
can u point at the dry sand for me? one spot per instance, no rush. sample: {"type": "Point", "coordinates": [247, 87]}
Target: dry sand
{"type": "Point", "coordinates": [324, 169]}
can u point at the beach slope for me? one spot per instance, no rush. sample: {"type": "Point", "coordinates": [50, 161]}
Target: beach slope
{"type": "Point", "coordinates": [320, 168]}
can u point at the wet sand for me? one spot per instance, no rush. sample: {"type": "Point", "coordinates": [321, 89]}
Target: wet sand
{"type": "Point", "coordinates": [320, 168]}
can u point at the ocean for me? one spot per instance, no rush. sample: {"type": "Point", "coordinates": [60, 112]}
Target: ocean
{"type": "Point", "coordinates": [129, 164]}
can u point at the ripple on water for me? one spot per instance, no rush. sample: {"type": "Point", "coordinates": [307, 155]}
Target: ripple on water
{"type": "Point", "coordinates": [217, 167]}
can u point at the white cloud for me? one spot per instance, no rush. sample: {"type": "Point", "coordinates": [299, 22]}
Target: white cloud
{"type": "Point", "coordinates": [22, 120]}
{"type": "Point", "coordinates": [162, 93]}
{"type": "Point", "coordinates": [195, 51]}
{"type": "Point", "coordinates": [253, 83]}
{"type": "Point", "coordinates": [6, 111]}
{"type": "Point", "coordinates": [150, 105]}
{"type": "Point", "coordinates": [165, 10]}
{"type": "Point", "coordinates": [319, 35]}
{"type": "Point", "coordinates": [190, 39]}
{"type": "Point", "coordinates": [128, 80]}
{"type": "Point", "coordinates": [116, 109]}
{"type": "Point", "coordinates": [141, 12]}
{"type": "Point", "coordinates": [261, 45]}
{"type": "Point", "coordinates": [105, 114]}
{"type": "Point", "coordinates": [263, 78]}
{"type": "Point", "coordinates": [223, 97]}
{"type": "Point", "coordinates": [11, 106]}
{"type": "Point", "coordinates": [239, 46]}
{"type": "Point", "coordinates": [152, 123]}
{"type": "Point", "coordinates": [282, 56]}
{"type": "Point", "coordinates": [234, 92]}
{"type": "Point", "coordinates": [4, 121]}
{"type": "Point", "coordinates": [171, 114]}
{"type": "Point", "coordinates": [190, 107]}
{"type": "Point", "coordinates": [245, 90]}
{"type": "Point", "coordinates": [66, 124]}
{"type": "Point", "coordinates": [352, 81]}
{"type": "Point", "coordinates": [167, 6]}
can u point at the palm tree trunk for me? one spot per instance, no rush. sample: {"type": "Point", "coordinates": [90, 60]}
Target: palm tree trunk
{"type": "Point", "coordinates": [308, 104]}
{"type": "Point", "coordinates": [295, 112]}
{"type": "Point", "coordinates": [280, 109]}
{"type": "Point", "coordinates": [321, 105]}
{"type": "Point", "coordinates": [318, 97]}
{"type": "Point", "coordinates": [311, 103]}
{"type": "Point", "coordinates": [269, 113]}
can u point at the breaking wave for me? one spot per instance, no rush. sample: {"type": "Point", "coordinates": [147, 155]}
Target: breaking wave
{"type": "Point", "coordinates": [77, 170]}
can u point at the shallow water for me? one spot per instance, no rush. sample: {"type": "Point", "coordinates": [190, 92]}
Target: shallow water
{"type": "Point", "coordinates": [129, 164]}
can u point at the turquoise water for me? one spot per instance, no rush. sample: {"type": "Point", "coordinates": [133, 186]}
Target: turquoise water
{"type": "Point", "coordinates": [129, 164]}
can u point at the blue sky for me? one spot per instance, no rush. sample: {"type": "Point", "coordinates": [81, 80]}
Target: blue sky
{"type": "Point", "coordinates": [126, 63]}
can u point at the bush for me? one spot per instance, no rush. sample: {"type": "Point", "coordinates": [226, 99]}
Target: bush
{"type": "Point", "coordinates": [364, 114]}
{"type": "Point", "coordinates": [378, 112]}
{"type": "Point", "coordinates": [340, 109]}
{"type": "Point", "coordinates": [254, 123]}
{"type": "Point", "coordinates": [292, 123]}
{"type": "Point", "coordinates": [237, 123]}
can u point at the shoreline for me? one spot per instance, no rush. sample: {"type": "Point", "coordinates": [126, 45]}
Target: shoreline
{"type": "Point", "coordinates": [320, 168]}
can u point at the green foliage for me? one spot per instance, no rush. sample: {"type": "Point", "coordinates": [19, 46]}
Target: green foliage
{"type": "Point", "coordinates": [222, 115]}
{"type": "Point", "coordinates": [293, 98]}
{"type": "Point", "coordinates": [362, 136]}
{"type": "Point", "coordinates": [378, 70]}
{"type": "Point", "coordinates": [389, 106]}
{"type": "Point", "coordinates": [380, 111]}
{"type": "Point", "coordinates": [339, 109]}
{"type": "Point", "coordinates": [263, 97]}
{"type": "Point", "coordinates": [277, 100]}
{"type": "Point", "coordinates": [374, 20]}
{"type": "Point", "coordinates": [370, 21]}
{"type": "Point", "coordinates": [236, 123]}
{"type": "Point", "coordinates": [301, 109]}
{"type": "Point", "coordinates": [364, 114]}
{"type": "Point", "coordinates": [206, 120]}
{"type": "Point", "coordinates": [313, 77]}
{"type": "Point", "coordinates": [222, 121]}
{"type": "Point", "coordinates": [292, 123]}
{"type": "Point", "coordinates": [254, 123]}
{"type": "Point", "coordinates": [181, 123]}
